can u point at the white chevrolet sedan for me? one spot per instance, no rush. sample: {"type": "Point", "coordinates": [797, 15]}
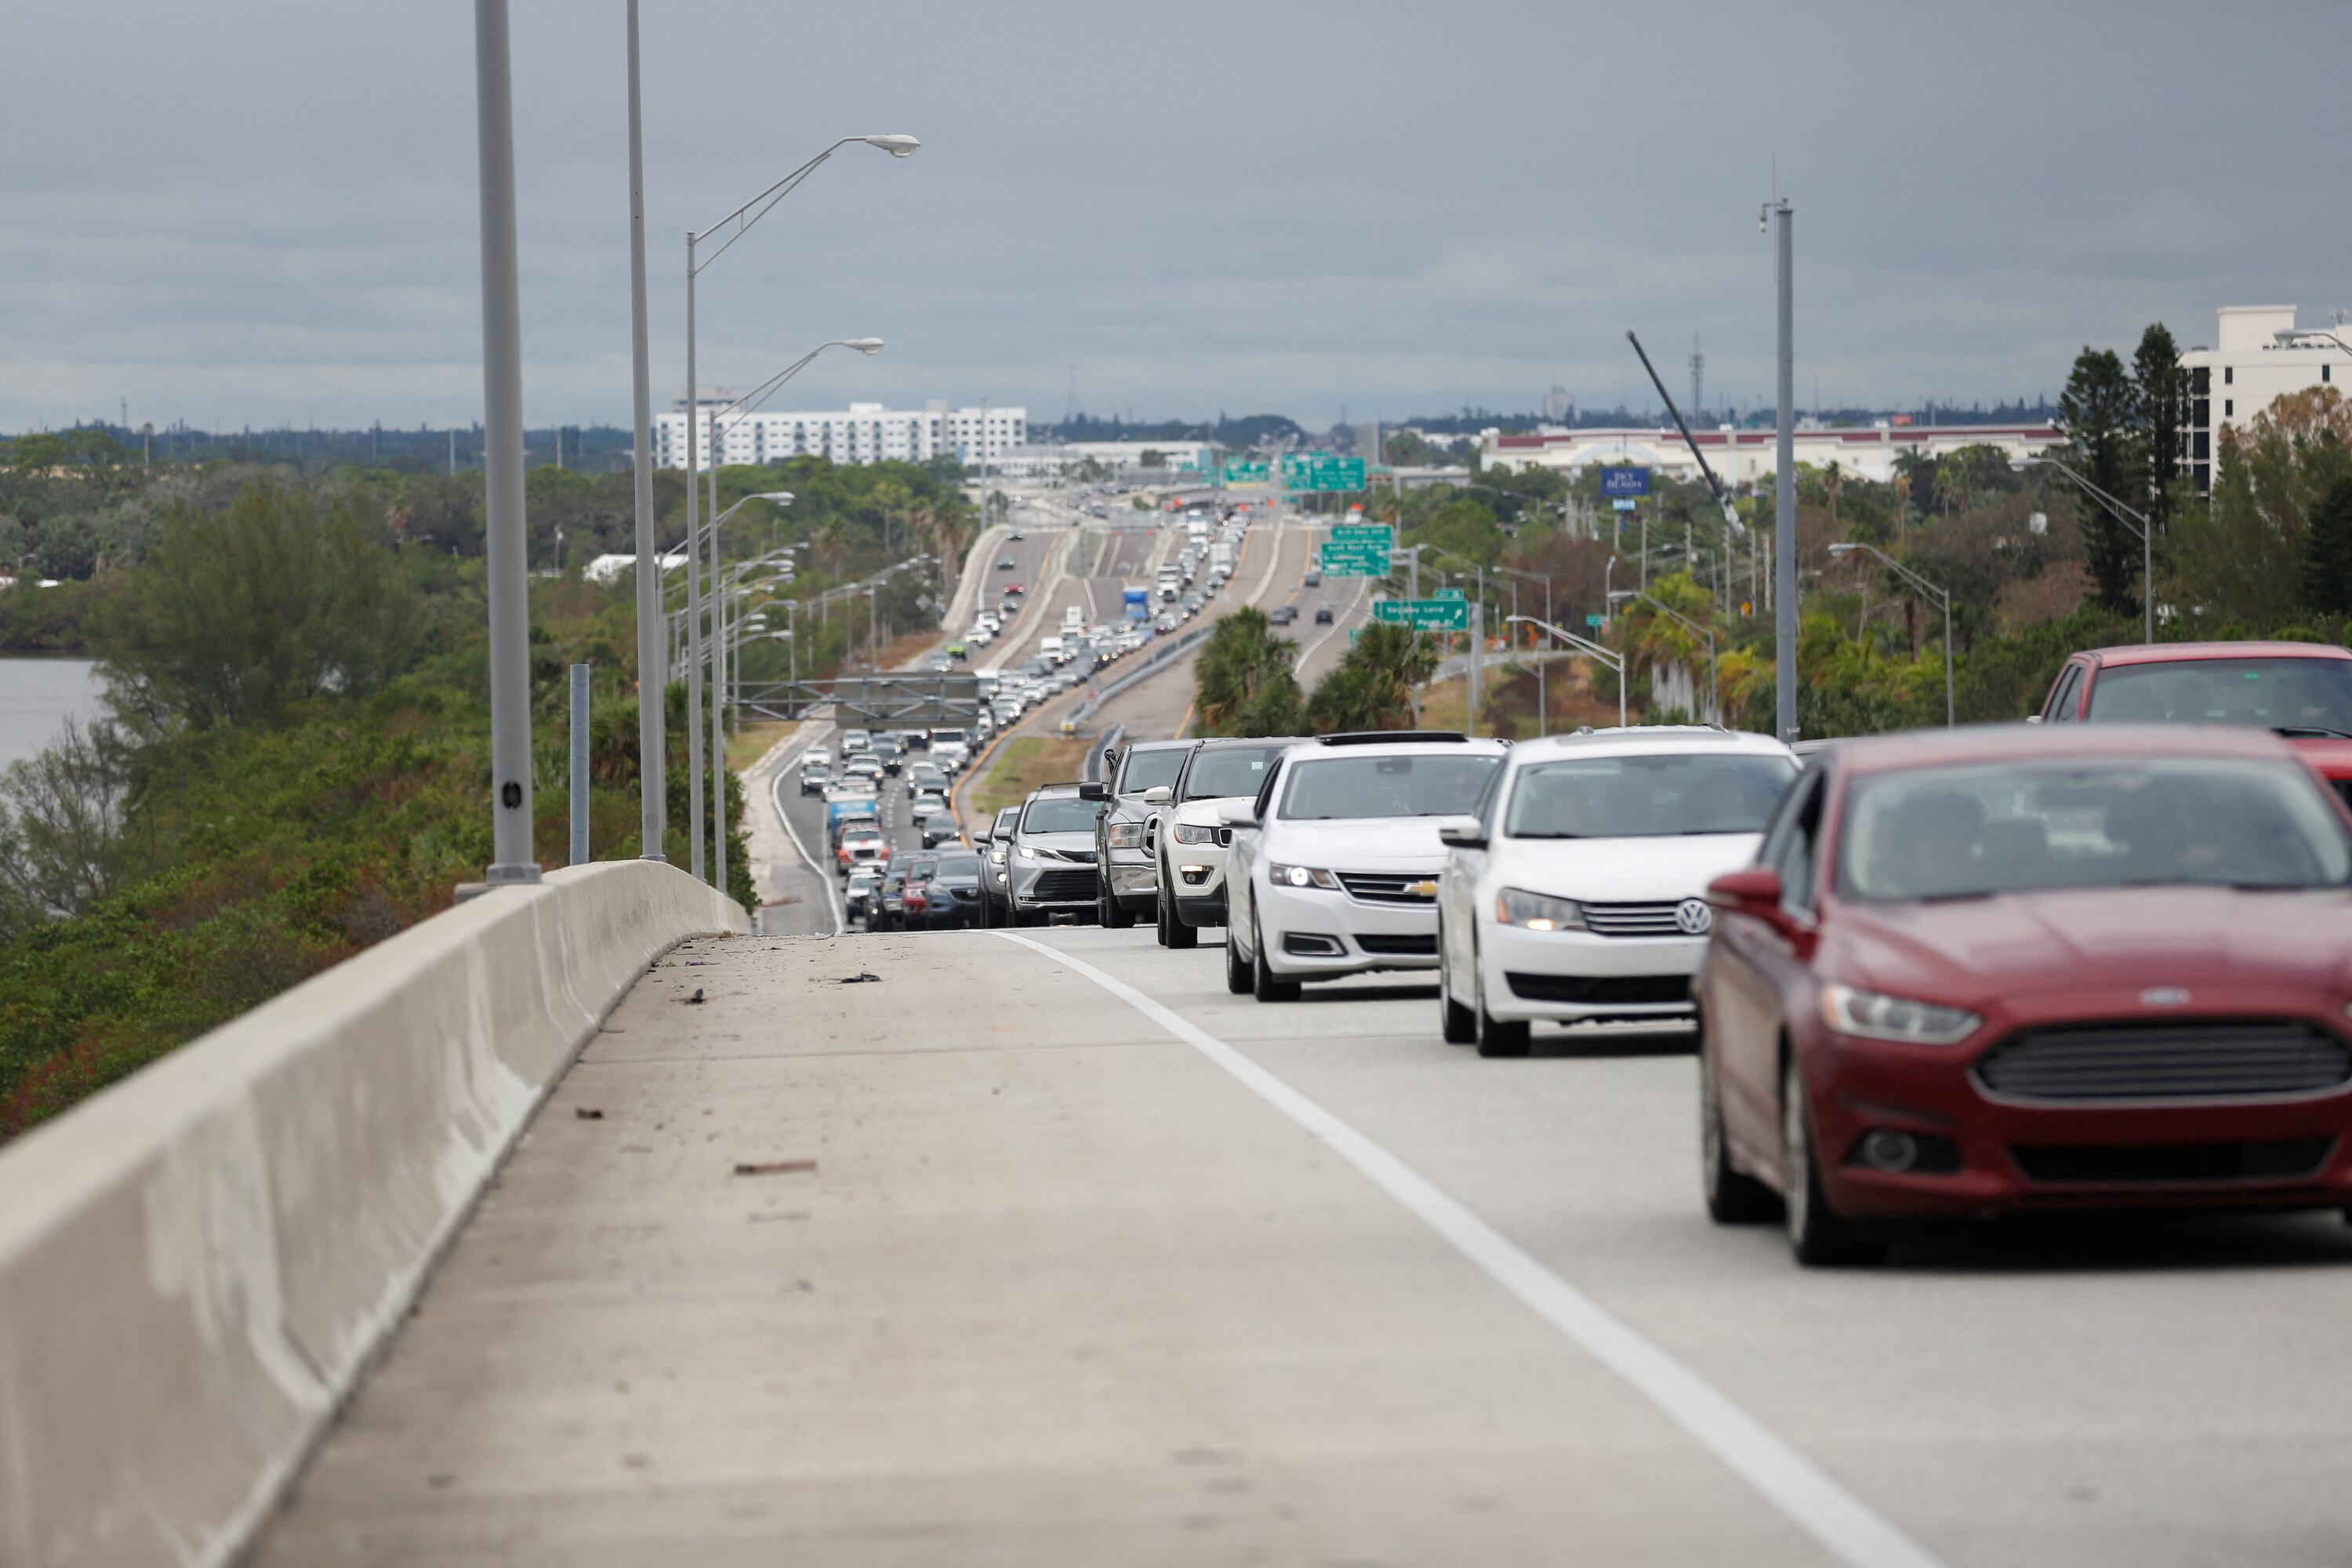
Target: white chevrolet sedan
{"type": "Point", "coordinates": [1333, 869]}
{"type": "Point", "coordinates": [1580, 893]}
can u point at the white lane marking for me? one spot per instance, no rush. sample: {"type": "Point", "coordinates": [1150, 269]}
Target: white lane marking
{"type": "Point", "coordinates": [1849, 1529]}
{"type": "Point", "coordinates": [822, 873]}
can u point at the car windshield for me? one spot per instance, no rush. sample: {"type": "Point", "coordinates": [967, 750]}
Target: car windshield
{"type": "Point", "coordinates": [922, 870]}
{"type": "Point", "coordinates": [1966, 832]}
{"type": "Point", "coordinates": [1223, 771]}
{"type": "Point", "coordinates": [959, 868]}
{"type": "Point", "coordinates": [1645, 797]}
{"type": "Point", "coordinates": [1369, 786]}
{"type": "Point", "coordinates": [1060, 814]}
{"type": "Point", "coordinates": [2296, 695]}
{"type": "Point", "coordinates": [1151, 770]}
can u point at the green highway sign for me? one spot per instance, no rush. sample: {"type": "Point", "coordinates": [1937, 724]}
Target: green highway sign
{"type": "Point", "coordinates": [1378, 533]}
{"type": "Point", "coordinates": [1428, 615]}
{"type": "Point", "coordinates": [1322, 471]}
{"type": "Point", "coordinates": [1593, 620]}
{"type": "Point", "coordinates": [1448, 594]}
{"type": "Point", "coordinates": [1343, 561]}
{"type": "Point", "coordinates": [1248, 473]}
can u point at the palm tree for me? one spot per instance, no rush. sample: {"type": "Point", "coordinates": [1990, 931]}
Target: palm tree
{"type": "Point", "coordinates": [1244, 684]}
{"type": "Point", "coordinates": [1373, 686]}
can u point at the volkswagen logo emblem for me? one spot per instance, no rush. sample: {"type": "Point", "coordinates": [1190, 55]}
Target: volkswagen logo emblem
{"type": "Point", "coordinates": [2164, 997]}
{"type": "Point", "coordinates": [1694, 917]}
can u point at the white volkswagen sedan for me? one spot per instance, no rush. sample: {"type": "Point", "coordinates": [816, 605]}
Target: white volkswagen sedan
{"type": "Point", "coordinates": [1333, 869]}
{"type": "Point", "coordinates": [1580, 893]}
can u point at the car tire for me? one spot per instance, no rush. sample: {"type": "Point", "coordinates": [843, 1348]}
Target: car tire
{"type": "Point", "coordinates": [1818, 1234]}
{"type": "Point", "coordinates": [1264, 984]}
{"type": "Point", "coordinates": [1115, 916]}
{"type": "Point", "coordinates": [1455, 1023]}
{"type": "Point", "coordinates": [1179, 934]}
{"type": "Point", "coordinates": [1238, 978]}
{"type": "Point", "coordinates": [1160, 918]}
{"type": "Point", "coordinates": [1496, 1038]}
{"type": "Point", "coordinates": [1732, 1198]}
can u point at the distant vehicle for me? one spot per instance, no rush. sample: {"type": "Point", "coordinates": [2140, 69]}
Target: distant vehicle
{"type": "Point", "coordinates": [815, 778]}
{"type": "Point", "coordinates": [1007, 564]}
{"type": "Point", "coordinates": [1126, 883]}
{"type": "Point", "coordinates": [857, 896]}
{"type": "Point", "coordinates": [1074, 620]}
{"type": "Point", "coordinates": [1168, 622]}
{"type": "Point", "coordinates": [1014, 590]}
{"type": "Point", "coordinates": [1582, 892]}
{"type": "Point", "coordinates": [860, 846]}
{"type": "Point", "coordinates": [1016, 536]}
{"type": "Point", "coordinates": [914, 902]}
{"type": "Point", "coordinates": [1049, 648]}
{"type": "Point", "coordinates": [1282, 615]}
{"type": "Point", "coordinates": [1136, 604]}
{"type": "Point", "coordinates": [1998, 969]}
{"type": "Point", "coordinates": [1192, 835]}
{"type": "Point", "coordinates": [950, 895]}
{"type": "Point", "coordinates": [1322, 615]}
{"type": "Point", "coordinates": [996, 851]}
{"type": "Point", "coordinates": [855, 741]}
{"type": "Point", "coordinates": [1312, 580]}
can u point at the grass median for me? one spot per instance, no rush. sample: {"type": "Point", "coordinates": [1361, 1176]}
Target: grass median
{"type": "Point", "coordinates": [1023, 764]}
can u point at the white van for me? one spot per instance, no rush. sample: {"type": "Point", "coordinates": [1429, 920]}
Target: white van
{"type": "Point", "coordinates": [1074, 619]}
{"type": "Point", "coordinates": [1050, 648]}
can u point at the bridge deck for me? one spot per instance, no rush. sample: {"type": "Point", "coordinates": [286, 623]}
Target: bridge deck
{"type": "Point", "coordinates": [1052, 1286]}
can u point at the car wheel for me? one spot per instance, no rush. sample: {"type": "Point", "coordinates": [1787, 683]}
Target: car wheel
{"type": "Point", "coordinates": [1179, 934]}
{"type": "Point", "coordinates": [1238, 978]}
{"type": "Point", "coordinates": [1115, 916]}
{"type": "Point", "coordinates": [1455, 1021]}
{"type": "Point", "coordinates": [1732, 1198]}
{"type": "Point", "coordinates": [1496, 1038]}
{"type": "Point", "coordinates": [1264, 984]}
{"type": "Point", "coordinates": [1161, 917]}
{"type": "Point", "coordinates": [1818, 1234]}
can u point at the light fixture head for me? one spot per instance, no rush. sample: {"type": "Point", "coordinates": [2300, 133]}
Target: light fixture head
{"type": "Point", "coordinates": [782, 498]}
{"type": "Point", "coordinates": [2020, 464]}
{"type": "Point", "coordinates": [1843, 549]}
{"type": "Point", "coordinates": [897, 146]}
{"type": "Point", "coordinates": [863, 346]}
{"type": "Point", "coordinates": [1617, 594]}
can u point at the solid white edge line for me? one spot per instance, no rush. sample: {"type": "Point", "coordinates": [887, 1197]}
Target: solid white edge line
{"type": "Point", "coordinates": [1848, 1528]}
{"type": "Point", "coordinates": [822, 873]}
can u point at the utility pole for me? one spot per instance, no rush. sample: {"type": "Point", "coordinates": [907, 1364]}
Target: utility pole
{"type": "Point", "coordinates": [1784, 524]}
{"type": "Point", "coordinates": [510, 581]}
{"type": "Point", "coordinates": [653, 675]}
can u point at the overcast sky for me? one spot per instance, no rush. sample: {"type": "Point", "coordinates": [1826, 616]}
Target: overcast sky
{"type": "Point", "coordinates": [264, 211]}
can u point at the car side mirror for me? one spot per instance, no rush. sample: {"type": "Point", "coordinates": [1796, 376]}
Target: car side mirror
{"type": "Point", "coordinates": [1090, 790]}
{"type": "Point", "coordinates": [1752, 890]}
{"type": "Point", "coordinates": [1238, 813]}
{"type": "Point", "coordinates": [1158, 794]}
{"type": "Point", "coordinates": [2033, 718]}
{"type": "Point", "coordinates": [1462, 833]}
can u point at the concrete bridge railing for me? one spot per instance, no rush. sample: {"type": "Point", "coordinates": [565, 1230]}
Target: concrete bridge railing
{"type": "Point", "coordinates": [196, 1265]}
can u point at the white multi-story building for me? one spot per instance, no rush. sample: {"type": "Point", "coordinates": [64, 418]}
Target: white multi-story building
{"type": "Point", "coordinates": [863, 433]}
{"type": "Point", "coordinates": [1173, 457]}
{"type": "Point", "coordinates": [2259, 357]}
{"type": "Point", "coordinates": [1744, 457]}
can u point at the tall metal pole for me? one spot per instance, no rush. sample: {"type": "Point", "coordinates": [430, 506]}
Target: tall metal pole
{"type": "Point", "coordinates": [579, 800]}
{"type": "Point", "coordinates": [1784, 523]}
{"type": "Point", "coordinates": [693, 585]}
{"type": "Point", "coordinates": [653, 676]}
{"type": "Point", "coordinates": [719, 823]}
{"type": "Point", "coordinates": [510, 579]}
{"type": "Point", "coordinates": [1950, 709]}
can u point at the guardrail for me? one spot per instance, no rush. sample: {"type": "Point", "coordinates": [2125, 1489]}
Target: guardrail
{"type": "Point", "coordinates": [1160, 656]}
{"type": "Point", "coordinates": [196, 1265]}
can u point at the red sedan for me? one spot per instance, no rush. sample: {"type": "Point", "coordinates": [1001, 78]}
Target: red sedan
{"type": "Point", "coordinates": [1979, 972]}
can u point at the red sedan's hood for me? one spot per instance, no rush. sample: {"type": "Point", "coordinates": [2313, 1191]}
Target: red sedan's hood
{"type": "Point", "coordinates": [2084, 939]}
{"type": "Point", "coordinates": [2332, 757]}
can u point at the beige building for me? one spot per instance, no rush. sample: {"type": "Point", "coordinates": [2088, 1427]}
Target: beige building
{"type": "Point", "coordinates": [2258, 356]}
{"type": "Point", "coordinates": [1744, 457]}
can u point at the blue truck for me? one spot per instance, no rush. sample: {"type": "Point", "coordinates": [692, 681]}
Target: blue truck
{"type": "Point", "coordinates": [1138, 604]}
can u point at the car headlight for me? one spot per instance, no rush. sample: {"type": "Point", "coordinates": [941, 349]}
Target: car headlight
{"type": "Point", "coordinates": [1300, 877]}
{"type": "Point", "coordinates": [1196, 833]}
{"type": "Point", "coordinates": [1029, 854]}
{"type": "Point", "coordinates": [1538, 911]}
{"type": "Point", "coordinates": [1126, 834]}
{"type": "Point", "coordinates": [1876, 1017]}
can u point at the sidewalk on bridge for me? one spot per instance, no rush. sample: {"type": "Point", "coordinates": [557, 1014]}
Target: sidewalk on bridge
{"type": "Point", "coordinates": [968, 1263]}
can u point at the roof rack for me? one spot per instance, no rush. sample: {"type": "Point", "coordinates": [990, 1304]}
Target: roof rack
{"type": "Point", "coordinates": [1383, 737]}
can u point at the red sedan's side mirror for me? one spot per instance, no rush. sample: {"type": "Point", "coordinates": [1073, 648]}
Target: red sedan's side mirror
{"type": "Point", "coordinates": [1754, 890]}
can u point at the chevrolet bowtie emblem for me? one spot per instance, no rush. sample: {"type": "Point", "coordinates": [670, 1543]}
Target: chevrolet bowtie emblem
{"type": "Point", "coordinates": [1422, 889]}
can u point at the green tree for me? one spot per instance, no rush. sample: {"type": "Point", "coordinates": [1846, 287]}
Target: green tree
{"type": "Point", "coordinates": [2100, 410]}
{"type": "Point", "coordinates": [2327, 553]}
{"type": "Point", "coordinates": [1372, 687]}
{"type": "Point", "coordinates": [1243, 685]}
{"type": "Point", "coordinates": [238, 616]}
{"type": "Point", "coordinates": [2161, 389]}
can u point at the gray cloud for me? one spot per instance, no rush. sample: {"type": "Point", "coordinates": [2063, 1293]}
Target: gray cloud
{"type": "Point", "coordinates": [258, 211]}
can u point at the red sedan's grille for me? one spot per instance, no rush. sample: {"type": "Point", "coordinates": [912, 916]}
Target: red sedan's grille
{"type": "Point", "coordinates": [2189, 1059]}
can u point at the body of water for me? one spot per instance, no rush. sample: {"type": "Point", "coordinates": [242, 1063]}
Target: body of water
{"type": "Point", "coordinates": [38, 696]}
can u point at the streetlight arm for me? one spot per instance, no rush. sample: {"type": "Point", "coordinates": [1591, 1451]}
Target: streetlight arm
{"type": "Point", "coordinates": [2139, 522]}
{"type": "Point", "coordinates": [1609, 657]}
{"type": "Point", "coordinates": [1942, 595]}
{"type": "Point", "coordinates": [776, 192]}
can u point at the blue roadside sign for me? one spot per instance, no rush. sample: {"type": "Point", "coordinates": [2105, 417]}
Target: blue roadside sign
{"type": "Point", "coordinates": [1624, 482]}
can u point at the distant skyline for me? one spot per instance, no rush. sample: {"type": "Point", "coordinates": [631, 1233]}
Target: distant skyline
{"type": "Point", "coordinates": [259, 212]}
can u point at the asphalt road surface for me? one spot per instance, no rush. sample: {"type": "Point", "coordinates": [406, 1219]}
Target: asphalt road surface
{"type": "Point", "coordinates": [1054, 1251]}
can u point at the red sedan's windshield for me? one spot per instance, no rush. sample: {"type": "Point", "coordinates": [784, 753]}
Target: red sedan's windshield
{"type": "Point", "coordinates": [1966, 832]}
{"type": "Point", "coordinates": [2299, 696]}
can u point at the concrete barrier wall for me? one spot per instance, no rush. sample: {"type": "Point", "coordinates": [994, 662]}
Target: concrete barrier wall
{"type": "Point", "coordinates": [195, 1265]}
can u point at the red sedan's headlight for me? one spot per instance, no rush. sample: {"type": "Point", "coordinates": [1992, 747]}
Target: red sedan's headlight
{"type": "Point", "coordinates": [1873, 1016]}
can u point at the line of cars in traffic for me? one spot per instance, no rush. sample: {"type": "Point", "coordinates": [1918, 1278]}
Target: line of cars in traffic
{"type": "Point", "coordinates": [2100, 961]}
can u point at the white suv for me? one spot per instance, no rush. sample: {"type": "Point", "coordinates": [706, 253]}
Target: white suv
{"type": "Point", "coordinates": [1189, 834]}
{"type": "Point", "coordinates": [1333, 869]}
{"type": "Point", "coordinates": [1580, 891]}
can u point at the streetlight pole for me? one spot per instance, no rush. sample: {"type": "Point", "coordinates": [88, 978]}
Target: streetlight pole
{"type": "Point", "coordinates": [1615, 661]}
{"type": "Point", "coordinates": [1784, 488]}
{"type": "Point", "coordinates": [1713, 671]}
{"type": "Point", "coordinates": [2137, 520]}
{"type": "Point", "coordinates": [653, 679]}
{"type": "Point", "coordinates": [1543, 703]}
{"type": "Point", "coordinates": [510, 581]}
{"type": "Point", "coordinates": [742, 217]}
{"type": "Point", "coordinates": [1943, 595]}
